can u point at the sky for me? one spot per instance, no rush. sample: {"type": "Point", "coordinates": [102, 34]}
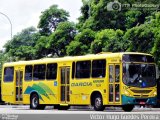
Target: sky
{"type": "Point", "coordinates": [25, 13]}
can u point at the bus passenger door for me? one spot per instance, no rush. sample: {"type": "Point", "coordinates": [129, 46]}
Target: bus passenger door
{"type": "Point", "coordinates": [64, 87]}
{"type": "Point", "coordinates": [114, 84]}
{"type": "Point", "coordinates": [19, 81]}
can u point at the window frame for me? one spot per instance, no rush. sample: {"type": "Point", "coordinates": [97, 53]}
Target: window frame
{"type": "Point", "coordinates": [47, 71]}
{"type": "Point", "coordinates": [100, 69]}
{"type": "Point", "coordinates": [4, 80]}
{"type": "Point", "coordinates": [38, 72]}
{"type": "Point", "coordinates": [89, 69]}
{"type": "Point", "coordinates": [25, 73]}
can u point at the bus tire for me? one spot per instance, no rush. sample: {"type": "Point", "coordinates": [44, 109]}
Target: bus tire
{"type": "Point", "coordinates": [34, 102]}
{"type": "Point", "coordinates": [98, 103]}
{"type": "Point", "coordinates": [127, 108]}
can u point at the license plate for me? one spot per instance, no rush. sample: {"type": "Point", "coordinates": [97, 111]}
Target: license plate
{"type": "Point", "coordinates": [142, 103]}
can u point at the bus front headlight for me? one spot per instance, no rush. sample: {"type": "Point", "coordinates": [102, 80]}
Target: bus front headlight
{"type": "Point", "coordinates": [155, 93]}
{"type": "Point", "coordinates": [126, 93]}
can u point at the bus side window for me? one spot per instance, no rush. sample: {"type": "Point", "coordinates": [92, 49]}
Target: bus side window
{"type": "Point", "coordinates": [83, 69]}
{"type": "Point", "coordinates": [28, 72]}
{"type": "Point", "coordinates": [51, 71]}
{"type": "Point", "coordinates": [98, 68]}
{"type": "Point", "coordinates": [39, 72]}
{"type": "Point", "coordinates": [8, 74]}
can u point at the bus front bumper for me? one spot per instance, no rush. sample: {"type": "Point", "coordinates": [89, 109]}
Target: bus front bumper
{"type": "Point", "coordinates": [138, 101]}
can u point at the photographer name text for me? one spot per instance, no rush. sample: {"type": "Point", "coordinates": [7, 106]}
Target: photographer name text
{"type": "Point", "coordinates": [124, 116]}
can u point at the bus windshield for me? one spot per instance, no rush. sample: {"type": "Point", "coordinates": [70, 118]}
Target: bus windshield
{"type": "Point", "coordinates": [139, 75]}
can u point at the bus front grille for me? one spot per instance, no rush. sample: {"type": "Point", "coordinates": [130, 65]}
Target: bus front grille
{"type": "Point", "coordinates": [141, 96]}
{"type": "Point", "coordinates": [141, 91]}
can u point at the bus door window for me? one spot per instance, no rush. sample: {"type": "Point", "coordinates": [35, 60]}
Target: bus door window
{"type": "Point", "coordinates": [19, 80]}
{"type": "Point", "coordinates": [111, 78]}
{"type": "Point", "coordinates": [67, 84]}
{"type": "Point", "coordinates": [117, 73]}
{"type": "Point", "coordinates": [65, 78]}
{"type": "Point", "coordinates": [117, 95]}
{"type": "Point", "coordinates": [117, 77]}
{"type": "Point", "coordinates": [111, 93]}
{"type": "Point", "coordinates": [62, 84]}
{"type": "Point", "coordinates": [114, 79]}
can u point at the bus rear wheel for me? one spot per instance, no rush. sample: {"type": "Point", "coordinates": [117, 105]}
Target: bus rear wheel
{"type": "Point", "coordinates": [98, 103]}
{"type": "Point", "coordinates": [34, 102]}
{"type": "Point", "coordinates": [127, 108]}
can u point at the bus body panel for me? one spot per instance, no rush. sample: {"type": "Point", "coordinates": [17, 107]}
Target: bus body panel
{"type": "Point", "coordinates": [66, 89]}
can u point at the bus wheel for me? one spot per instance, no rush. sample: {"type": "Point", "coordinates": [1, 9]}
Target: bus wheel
{"type": "Point", "coordinates": [98, 103]}
{"type": "Point", "coordinates": [34, 102]}
{"type": "Point", "coordinates": [127, 108]}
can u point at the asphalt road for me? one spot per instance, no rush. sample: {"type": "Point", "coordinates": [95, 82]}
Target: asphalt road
{"type": "Point", "coordinates": [23, 112]}
{"type": "Point", "coordinates": [24, 109]}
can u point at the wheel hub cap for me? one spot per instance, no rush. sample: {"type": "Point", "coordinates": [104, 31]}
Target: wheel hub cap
{"type": "Point", "coordinates": [98, 102]}
{"type": "Point", "coordinates": [35, 102]}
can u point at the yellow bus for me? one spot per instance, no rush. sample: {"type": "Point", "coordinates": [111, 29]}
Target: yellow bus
{"type": "Point", "coordinates": [106, 79]}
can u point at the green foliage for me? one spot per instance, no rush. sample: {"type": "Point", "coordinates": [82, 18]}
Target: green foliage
{"type": "Point", "coordinates": [155, 23]}
{"type": "Point", "coordinates": [22, 44]}
{"type": "Point", "coordinates": [3, 58]}
{"type": "Point", "coordinates": [155, 49]}
{"type": "Point", "coordinates": [59, 39]}
{"type": "Point", "coordinates": [142, 38]}
{"type": "Point", "coordinates": [74, 48]}
{"type": "Point", "coordinates": [97, 16]}
{"type": "Point", "coordinates": [1, 63]}
{"type": "Point", "coordinates": [50, 19]}
{"type": "Point", "coordinates": [108, 40]}
{"type": "Point", "coordinates": [41, 49]}
{"type": "Point", "coordinates": [81, 43]}
{"type": "Point", "coordinates": [98, 30]}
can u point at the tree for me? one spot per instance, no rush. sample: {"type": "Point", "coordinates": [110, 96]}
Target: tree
{"type": "Point", "coordinates": [74, 48]}
{"type": "Point", "coordinates": [50, 19]}
{"type": "Point", "coordinates": [154, 21]}
{"type": "Point", "coordinates": [62, 36]}
{"type": "Point", "coordinates": [22, 44]}
{"type": "Point", "coordinates": [142, 38]}
{"type": "Point", "coordinates": [1, 63]}
{"type": "Point", "coordinates": [97, 16]}
{"type": "Point", "coordinates": [81, 43]}
{"type": "Point", "coordinates": [41, 47]}
{"type": "Point", "coordinates": [108, 40]}
{"type": "Point", "coordinates": [155, 49]}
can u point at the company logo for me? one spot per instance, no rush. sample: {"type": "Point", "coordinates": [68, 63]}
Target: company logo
{"type": "Point", "coordinates": [114, 6]}
{"type": "Point", "coordinates": [117, 6]}
{"type": "Point", "coordinates": [82, 84]}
